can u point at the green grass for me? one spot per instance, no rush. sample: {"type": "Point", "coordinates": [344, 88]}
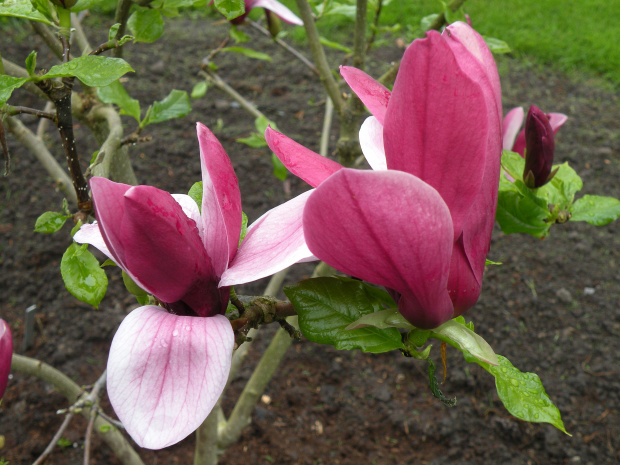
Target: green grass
{"type": "Point", "coordinates": [576, 36]}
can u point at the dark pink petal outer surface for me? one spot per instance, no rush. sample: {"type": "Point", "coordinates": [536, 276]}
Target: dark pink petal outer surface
{"type": "Point", "coordinates": [6, 353]}
{"type": "Point", "coordinates": [372, 93]}
{"type": "Point", "coordinates": [302, 162]}
{"type": "Point", "coordinates": [556, 120]}
{"type": "Point", "coordinates": [388, 228]}
{"type": "Point", "coordinates": [476, 60]}
{"type": "Point", "coordinates": [436, 125]}
{"type": "Point", "coordinates": [166, 372]}
{"type": "Point", "coordinates": [221, 201]}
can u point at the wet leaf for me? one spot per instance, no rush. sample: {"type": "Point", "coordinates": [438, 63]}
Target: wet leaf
{"type": "Point", "coordinates": [146, 25]}
{"type": "Point", "coordinates": [82, 275]}
{"type": "Point", "coordinates": [596, 210]}
{"type": "Point", "coordinates": [92, 70]}
{"type": "Point", "coordinates": [50, 222]}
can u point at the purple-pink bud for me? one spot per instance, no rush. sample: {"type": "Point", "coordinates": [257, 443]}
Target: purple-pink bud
{"type": "Point", "coordinates": [539, 148]}
{"type": "Point", "coordinates": [6, 353]}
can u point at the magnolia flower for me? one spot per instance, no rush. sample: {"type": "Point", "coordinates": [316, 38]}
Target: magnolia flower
{"type": "Point", "coordinates": [274, 6]}
{"type": "Point", "coordinates": [513, 139]}
{"type": "Point", "coordinates": [168, 364]}
{"type": "Point", "coordinates": [539, 148]}
{"type": "Point", "coordinates": [6, 353]}
{"type": "Point", "coordinates": [421, 224]}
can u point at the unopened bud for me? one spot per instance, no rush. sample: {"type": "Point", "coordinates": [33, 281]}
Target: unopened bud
{"type": "Point", "coordinates": [539, 148]}
{"type": "Point", "coordinates": [273, 23]}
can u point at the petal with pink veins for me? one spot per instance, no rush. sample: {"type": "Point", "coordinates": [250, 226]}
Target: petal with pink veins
{"type": "Point", "coordinates": [221, 201]}
{"type": "Point", "coordinates": [302, 162]}
{"type": "Point", "coordinates": [280, 10]}
{"type": "Point", "coordinates": [166, 372]}
{"type": "Point", "coordinates": [436, 125]}
{"type": "Point", "coordinates": [510, 127]}
{"type": "Point", "coordinates": [372, 93]}
{"type": "Point", "coordinates": [388, 228]}
{"type": "Point", "coordinates": [274, 241]}
{"type": "Point", "coordinates": [371, 141]}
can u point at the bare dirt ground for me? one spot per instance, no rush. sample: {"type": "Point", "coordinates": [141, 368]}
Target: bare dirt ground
{"type": "Point", "coordinates": [551, 308]}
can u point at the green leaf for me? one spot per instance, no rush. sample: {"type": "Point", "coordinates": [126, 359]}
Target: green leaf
{"type": "Point", "coordinates": [279, 170]}
{"type": "Point", "coordinates": [230, 8]}
{"type": "Point", "coordinates": [104, 428]}
{"type": "Point", "coordinates": [140, 294]}
{"type": "Point", "coordinates": [248, 52]}
{"type": "Point", "coordinates": [113, 31]}
{"type": "Point", "coordinates": [513, 164]}
{"type": "Point", "coordinates": [517, 213]}
{"type": "Point", "coordinates": [326, 306]}
{"type": "Point", "coordinates": [199, 90]}
{"type": "Point", "coordinates": [388, 318]}
{"type": "Point", "coordinates": [22, 9]}
{"type": "Point", "coordinates": [82, 275]}
{"type": "Point", "coordinates": [427, 21]}
{"type": "Point", "coordinates": [175, 105]}
{"type": "Point", "coordinates": [45, 8]}
{"type": "Point", "coordinates": [562, 188]}
{"type": "Point", "coordinates": [195, 192]}
{"type": "Point", "coordinates": [92, 70]}
{"type": "Point", "coordinates": [7, 85]}
{"type": "Point", "coordinates": [489, 262]}
{"type": "Point", "coordinates": [497, 46]}
{"type": "Point", "coordinates": [64, 442]}
{"type": "Point", "coordinates": [244, 227]}
{"type": "Point", "coordinates": [255, 140]}
{"type": "Point", "coordinates": [467, 341]}
{"type": "Point", "coordinates": [522, 394]}
{"type": "Point", "coordinates": [146, 25]}
{"type": "Point", "coordinates": [595, 209]}
{"type": "Point", "coordinates": [238, 36]}
{"type": "Point", "coordinates": [76, 228]}
{"type": "Point", "coordinates": [261, 123]}
{"type": "Point", "coordinates": [115, 93]}
{"type": "Point", "coordinates": [453, 16]}
{"type": "Point", "coordinates": [50, 222]}
{"type": "Point", "coordinates": [335, 45]}
{"type": "Point", "coordinates": [31, 63]}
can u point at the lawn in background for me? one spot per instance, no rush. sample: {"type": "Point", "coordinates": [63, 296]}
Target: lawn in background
{"type": "Point", "coordinates": [576, 36]}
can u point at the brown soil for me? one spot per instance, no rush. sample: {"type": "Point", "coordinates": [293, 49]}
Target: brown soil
{"type": "Point", "coordinates": [327, 406]}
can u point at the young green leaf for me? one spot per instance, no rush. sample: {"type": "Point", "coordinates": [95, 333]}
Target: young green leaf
{"type": "Point", "coordinates": [113, 31]}
{"type": "Point", "coordinates": [31, 63]}
{"type": "Point", "coordinates": [50, 222]}
{"type": "Point", "coordinates": [23, 9]}
{"type": "Point", "coordinates": [115, 93]}
{"type": "Point", "coordinates": [279, 170]}
{"type": "Point", "coordinates": [326, 306]}
{"type": "Point", "coordinates": [140, 294]}
{"type": "Point", "coordinates": [244, 227]}
{"type": "Point", "coordinates": [497, 46]}
{"type": "Point", "coordinates": [255, 140]}
{"type": "Point", "coordinates": [92, 70]}
{"type": "Point", "coordinates": [146, 25]}
{"type": "Point", "coordinates": [595, 209]}
{"type": "Point", "coordinates": [199, 90]}
{"type": "Point", "coordinates": [195, 192]}
{"type": "Point", "coordinates": [518, 213]}
{"type": "Point", "coordinates": [7, 85]}
{"type": "Point", "coordinates": [175, 105]}
{"type": "Point", "coordinates": [248, 52]}
{"type": "Point", "coordinates": [522, 394]}
{"type": "Point", "coordinates": [82, 275]}
{"type": "Point", "coordinates": [466, 340]}
{"type": "Point", "coordinates": [335, 45]}
{"type": "Point", "coordinates": [230, 8]}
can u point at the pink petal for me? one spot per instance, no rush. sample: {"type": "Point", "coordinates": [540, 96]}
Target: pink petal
{"type": "Point", "coordinates": [221, 201]}
{"type": "Point", "coordinates": [389, 228]}
{"type": "Point", "coordinates": [556, 120]}
{"type": "Point", "coordinates": [464, 35]}
{"type": "Point", "coordinates": [371, 141]}
{"type": "Point", "coordinates": [275, 241]}
{"type": "Point", "coordinates": [463, 284]}
{"type": "Point", "coordinates": [519, 145]}
{"type": "Point", "coordinates": [6, 353]}
{"type": "Point", "coordinates": [372, 93]}
{"type": "Point", "coordinates": [190, 208]}
{"type": "Point", "coordinates": [90, 234]}
{"type": "Point", "coordinates": [302, 162]}
{"type": "Point", "coordinates": [166, 372]}
{"type": "Point", "coordinates": [163, 248]}
{"type": "Point", "coordinates": [510, 127]}
{"type": "Point", "coordinates": [280, 10]}
{"type": "Point", "coordinates": [437, 125]}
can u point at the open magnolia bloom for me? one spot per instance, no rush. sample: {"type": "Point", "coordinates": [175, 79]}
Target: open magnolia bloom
{"type": "Point", "coordinates": [423, 228]}
{"type": "Point", "coordinates": [6, 353]}
{"type": "Point", "coordinates": [513, 139]}
{"type": "Point", "coordinates": [168, 364]}
{"type": "Point", "coordinates": [274, 6]}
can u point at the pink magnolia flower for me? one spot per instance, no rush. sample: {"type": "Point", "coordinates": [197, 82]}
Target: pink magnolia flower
{"type": "Point", "coordinates": [513, 139]}
{"type": "Point", "coordinates": [539, 149]}
{"type": "Point", "coordinates": [274, 6]}
{"type": "Point", "coordinates": [6, 353]}
{"type": "Point", "coordinates": [168, 364]}
{"type": "Point", "coordinates": [421, 224]}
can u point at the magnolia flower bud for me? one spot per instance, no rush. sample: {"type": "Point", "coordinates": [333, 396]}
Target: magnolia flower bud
{"type": "Point", "coordinates": [6, 353]}
{"type": "Point", "coordinates": [66, 4]}
{"type": "Point", "coordinates": [539, 148]}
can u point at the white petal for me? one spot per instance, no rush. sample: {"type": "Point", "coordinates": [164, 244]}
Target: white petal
{"type": "Point", "coordinates": [166, 372]}
{"type": "Point", "coordinates": [190, 208]}
{"type": "Point", "coordinates": [371, 141]}
{"type": "Point", "coordinates": [90, 234]}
